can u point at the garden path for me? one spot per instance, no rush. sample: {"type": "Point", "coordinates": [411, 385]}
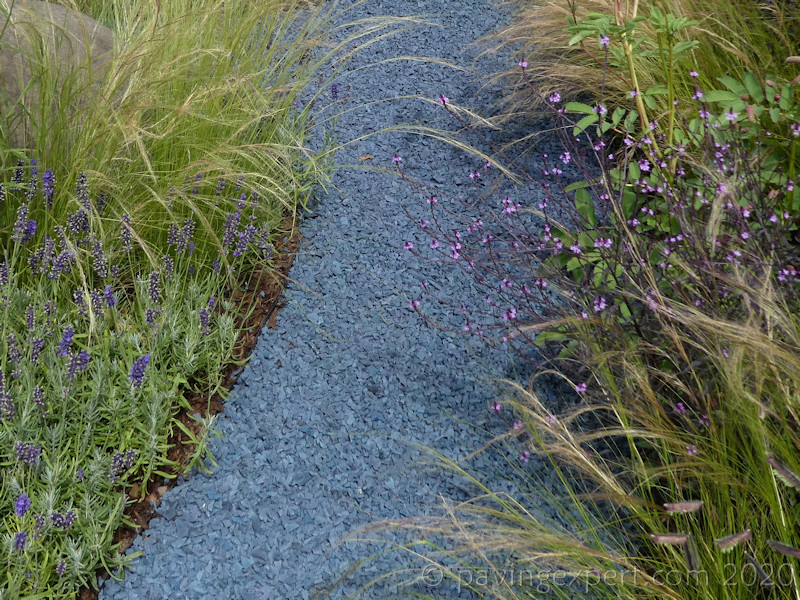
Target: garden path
{"type": "Point", "coordinates": [320, 430]}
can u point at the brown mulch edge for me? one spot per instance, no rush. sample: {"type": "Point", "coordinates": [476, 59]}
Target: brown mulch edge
{"type": "Point", "coordinates": [256, 296]}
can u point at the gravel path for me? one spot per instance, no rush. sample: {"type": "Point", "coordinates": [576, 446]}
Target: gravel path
{"type": "Point", "coordinates": [320, 429]}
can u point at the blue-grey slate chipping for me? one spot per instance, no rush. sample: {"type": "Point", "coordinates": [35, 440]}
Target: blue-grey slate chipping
{"type": "Point", "coordinates": [323, 429]}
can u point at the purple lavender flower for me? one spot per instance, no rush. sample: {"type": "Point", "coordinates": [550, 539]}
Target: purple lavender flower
{"type": "Point", "coordinates": [211, 303]}
{"type": "Point", "coordinates": [220, 186]}
{"type": "Point", "coordinates": [19, 172]}
{"type": "Point", "coordinates": [154, 291]}
{"type": "Point", "coordinates": [78, 223]}
{"type": "Point", "coordinates": [22, 505]}
{"type": "Point", "coordinates": [97, 300]}
{"type": "Point", "coordinates": [244, 239]}
{"type": "Point", "coordinates": [48, 186]}
{"type": "Point", "coordinates": [3, 273]}
{"type": "Point", "coordinates": [37, 345]}
{"type": "Point", "coordinates": [2, 193]}
{"type": "Point", "coordinates": [38, 526]}
{"type": "Point", "coordinates": [215, 266]}
{"type": "Point", "coordinates": [7, 409]}
{"type": "Point", "coordinates": [82, 192]}
{"type": "Point", "coordinates": [66, 341]}
{"type": "Point", "coordinates": [187, 231]}
{"type": "Point", "coordinates": [63, 521]}
{"type": "Point", "coordinates": [20, 540]}
{"type": "Point", "coordinates": [109, 297]}
{"type": "Point", "coordinates": [169, 267]}
{"type": "Point", "coordinates": [335, 91]}
{"type": "Point", "coordinates": [61, 568]}
{"type": "Point", "coordinates": [100, 262]}
{"type": "Point", "coordinates": [78, 363]}
{"type": "Point", "coordinates": [205, 320]}
{"type": "Point", "coordinates": [38, 396]}
{"type": "Point", "coordinates": [150, 315]}
{"type": "Point", "coordinates": [172, 235]}
{"type": "Point", "coordinates": [27, 454]}
{"type": "Point", "coordinates": [61, 264]}
{"type": "Point", "coordinates": [125, 233]}
{"type": "Point", "coordinates": [21, 224]}
{"type": "Point", "coordinates": [14, 354]}
{"type": "Point", "coordinates": [136, 376]}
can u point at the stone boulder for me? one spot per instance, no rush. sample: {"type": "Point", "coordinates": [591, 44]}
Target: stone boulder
{"type": "Point", "coordinates": [48, 54]}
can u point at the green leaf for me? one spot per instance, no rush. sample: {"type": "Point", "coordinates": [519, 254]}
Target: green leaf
{"type": "Point", "coordinates": [734, 85]}
{"type": "Point", "coordinates": [585, 122]}
{"type": "Point", "coordinates": [579, 107]}
{"type": "Point", "coordinates": [616, 117]}
{"type": "Point", "coordinates": [628, 203]}
{"type": "Point", "coordinates": [753, 87]}
{"type": "Point", "coordinates": [573, 263]}
{"type": "Point", "coordinates": [721, 96]}
{"type": "Point", "coordinates": [786, 97]}
{"type": "Point", "coordinates": [585, 206]}
{"type": "Point", "coordinates": [656, 90]}
{"type": "Point", "coordinates": [684, 46]}
{"type": "Point", "coordinates": [634, 171]}
{"type": "Point", "coordinates": [576, 186]}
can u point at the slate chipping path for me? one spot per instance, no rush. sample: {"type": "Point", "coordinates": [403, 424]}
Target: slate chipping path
{"type": "Point", "coordinates": [310, 448]}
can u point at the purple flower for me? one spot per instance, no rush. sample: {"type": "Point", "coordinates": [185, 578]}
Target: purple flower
{"type": "Point", "coordinates": [48, 186]}
{"type": "Point", "coordinates": [20, 540]}
{"type": "Point", "coordinates": [523, 64]}
{"type": "Point", "coordinates": [169, 267]}
{"type": "Point", "coordinates": [680, 408]}
{"type": "Point", "coordinates": [3, 273]}
{"type": "Point", "coordinates": [245, 237]}
{"type": "Point", "coordinates": [185, 237]}
{"type": "Point", "coordinates": [101, 202]}
{"type": "Point", "coordinates": [205, 320]}
{"type": "Point", "coordinates": [172, 235]}
{"type": "Point", "coordinates": [154, 290]}
{"type": "Point", "coordinates": [691, 450]}
{"type": "Point", "coordinates": [21, 224]}
{"type": "Point", "coordinates": [581, 388]}
{"type": "Point", "coordinates": [7, 409]}
{"type": "Point", "coordinates": [604, 41]}
{"type": "Point", "coordinates": [27, 454]}
{"type": "Point", "coordinates": [108, 295]}
{"type": "Point", "coordinates": [66, 341]}
{"type": "Point", "coordinates": [78, 363]}
{"type": "Point", "coordinates": [63, 521]}
{"type": "Point", "coordinates": [78, 223]}
{"type": "Point", "coordinates": [100, 262]}
{"type": "Point", "coordinates": [396, 159]}
{"type": "Point", "coordinates": [82, 192]}
{"type": "Point", "coordinates": [150, 315]}
{"type": "Point", "coordinates": [97, 300]}
{"type": "Point", "coordinates": [37, 345]}
{"type": "Point", "coordinates": [122, 462]}
{"type": "Point", "coordinates": [599, 304]}
{"type": "Point", "coordinates": [731, 116]}
{"type": "Point", "coordinates": [136, 376]}
{"type": "Point", "coordinates": [22, 505]}
{"type": "Point", "coordinates": [497, 407]}
{"type": "Point", "coordinates": [38, 396]}
{"type": "Point", "coordinates": [14, 354]}
{"type": "Point", "coordinates": [442, 99]}
{"type": "Point", "coordinates": [525, 456]}
{"type": "Point", "coordinates": [554, 98]}
{"type": "Point", "coordinates": [125, 233]}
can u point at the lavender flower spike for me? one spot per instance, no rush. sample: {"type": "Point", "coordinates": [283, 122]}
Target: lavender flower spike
{"type": "Point", "coordinates": [137, 371]}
